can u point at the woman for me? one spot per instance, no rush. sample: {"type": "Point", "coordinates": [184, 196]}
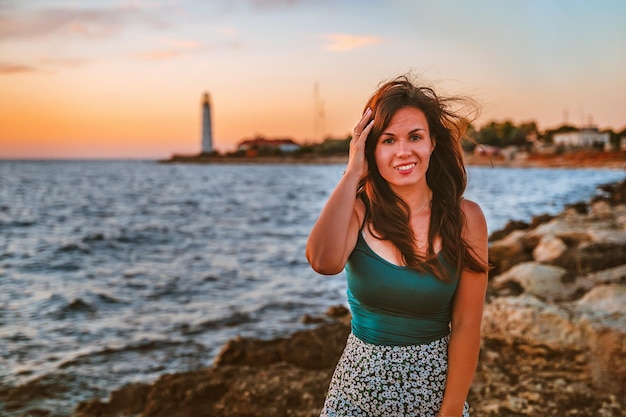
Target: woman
{"type": "Point", "coordinates": [415, 255]}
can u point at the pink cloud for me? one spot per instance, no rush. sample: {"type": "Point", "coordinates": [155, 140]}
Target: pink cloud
{"type": "Point", "coordinates": [6, 69]}
{"type": "Point", "coordinates": [341, 42]}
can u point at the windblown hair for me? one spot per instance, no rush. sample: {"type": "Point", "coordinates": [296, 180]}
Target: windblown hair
{"type": "Point", "coordinates": [446, 176]}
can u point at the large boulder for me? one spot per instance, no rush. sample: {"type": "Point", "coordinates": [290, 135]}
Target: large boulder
{"type": "Point", "coordinates": [546, 282]}
{"type": "Point", "coordinates": [570, 230]}
{"type": "Point", "coordinates": [594, 325]}
{"type": "Point", "coordinates": [594, 256]}
{"type": "Point", "coordinates": [615, 275]}
{"type": "Point", "coordinates": [527, 319]}
{"type": "Point", "coordinates": [549, 248]}
{"type": "Point", "coordinates": [602, 320]}
{"type": "Point", "coordinates": [278, 389]}
{"type": "Point", "coordinates": [318, 348]}
{"type": "Point", "coordinates": [509, 251]}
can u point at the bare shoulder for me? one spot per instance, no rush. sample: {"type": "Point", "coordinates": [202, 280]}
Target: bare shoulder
{"type": "Point", "coordinates": [475, 218]}
{"type": "Point", "coordinates": [471, 209]}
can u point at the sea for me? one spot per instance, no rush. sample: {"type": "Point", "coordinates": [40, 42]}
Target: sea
{"type": "Point", "coordinates": [114, 272]}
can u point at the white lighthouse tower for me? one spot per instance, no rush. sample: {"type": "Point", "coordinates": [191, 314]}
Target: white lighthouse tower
{"type": "Point", "coordinates": [207, 134]}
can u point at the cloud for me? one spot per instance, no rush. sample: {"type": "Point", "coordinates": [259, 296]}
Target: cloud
{"type": "Point", "coordinates": [229, 6]}
{"type": "Point", "coordinates": [173, 48]}
{"type": "Point", "coordinates": [180, 43]}
{"type": "Point", "coordinates": [170, 48]}
{"type": "Point", "coordinates": [63, 62]}
{"type": "Point", "coordinates": [341, 42]}
{"type": "Point", "coordinates": [264, 4]}
{"type": "Point", "coordinates": [86, 22]}
{"type": "Point", "coordinates": [158, 55]}
{"type": "Point", "coordinates": [7, 69]}
{"type": "Point", "coordinates": [227, 31]}
{"type": "Point", "coordinates": [44, 64]}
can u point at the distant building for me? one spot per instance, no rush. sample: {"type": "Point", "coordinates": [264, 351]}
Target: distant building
{"type": "Point", "coordinates": [486, 150]}
{"type": "Point", "coordinates": [260, 143]}
{"type": "Point", "coordinates": [585, 138]}
{"type": "Point", "coordinates": [207, 133]}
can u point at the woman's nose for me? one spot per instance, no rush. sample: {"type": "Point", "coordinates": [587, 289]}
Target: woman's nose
{"type": "Point", "coordinates": [403, 148]}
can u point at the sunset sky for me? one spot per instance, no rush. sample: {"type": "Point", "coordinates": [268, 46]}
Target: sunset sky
{"type": "Point", "coordinates": [124, 79]}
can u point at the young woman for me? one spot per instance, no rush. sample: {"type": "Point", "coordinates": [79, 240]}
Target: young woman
{"type": "Point", "coordinates": [415, 255]}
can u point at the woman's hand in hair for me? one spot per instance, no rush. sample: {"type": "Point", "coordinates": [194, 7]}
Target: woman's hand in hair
{"type": "Point", "coordinates": [357, 164]}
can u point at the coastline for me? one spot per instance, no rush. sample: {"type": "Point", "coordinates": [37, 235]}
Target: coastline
{"type": "Point", "coordinates": [553, 336]}
{"type": "Point", "coordinates": [579, 159]}
{"type": "Point", "coordinates": [191, 343]}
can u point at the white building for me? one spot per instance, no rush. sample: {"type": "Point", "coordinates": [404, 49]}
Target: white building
{"type": "Point", "coordinates": [585, 138]}
{"type": "Point", "coordinates": [258, 143]}
{"type": "Point", "coordinates": [207, 134]}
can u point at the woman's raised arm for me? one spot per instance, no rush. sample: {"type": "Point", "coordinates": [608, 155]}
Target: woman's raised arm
{"type": "Point", "coordinates": [336, 230]}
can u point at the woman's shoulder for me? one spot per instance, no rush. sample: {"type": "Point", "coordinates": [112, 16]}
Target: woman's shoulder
{"type": "Point", "coordinates": [475, 218]}
{"type": "Point", "coordinates": [470, 207]}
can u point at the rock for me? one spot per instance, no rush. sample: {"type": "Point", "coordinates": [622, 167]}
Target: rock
{"type": "Point", "coordinates": [309, 319]}
{"type": "Point", "coordinates": [592, 257]}
{"type": "Point", "coordinates": [607, 358]}
{"type": "Point", "coordinates": [616, 275]}
{"type": "Point", "coordinates": [509, 251]}
{"type": "Point", "coordinates": [570, 232]}
{"type": "Point", "coordinates": [603, 323]}
{"type": "Point", "coordinates": [338, 311]}
{"type": "Point", "coordinates": [543, 281]}
{"type": "Point", "coordinates": [128, 400]}
{"type": "Point", "coordinates": [540, 219]}
{"type": "Point", "coordinates": [279, 390]}
{"type": "Point", "coordinates": [614, 193]}
{"type": "Point", "coordinates": [309, 349]}
{"type": "Point", "coordinates": [511, 226]}
{"type": "Point", "coordinates": [601, 210]}
{"type": "Point", "coordinates": [605, 300]}
{"type": "Point", "coordinates": [544, 381]}
{"type": "Point", "coordinates": [615, 236]}
{"type": "Point", "coordinates": [580, 207]}
{"type": "Point", "coordinates": [527, 320]}
{"type": "Point", "coordinates": [549, 249]}
{"type": "Point", "coordinates": [283, 377]}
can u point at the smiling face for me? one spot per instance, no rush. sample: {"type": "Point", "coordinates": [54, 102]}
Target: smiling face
{"type": "Point", "coordinates": [403, 149]}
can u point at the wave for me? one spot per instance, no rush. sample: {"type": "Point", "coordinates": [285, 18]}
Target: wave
{"type": "Point", "coordinates": [60, 308]}
{"type": "Point", "coordinates": [233, 320]}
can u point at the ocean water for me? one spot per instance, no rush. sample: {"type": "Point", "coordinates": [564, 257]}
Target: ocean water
{"type": "Point", "coordinates": [120, 271]}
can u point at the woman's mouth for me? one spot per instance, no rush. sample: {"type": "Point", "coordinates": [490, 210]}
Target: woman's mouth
{"type": "Point", "coordinates": [405, 167]}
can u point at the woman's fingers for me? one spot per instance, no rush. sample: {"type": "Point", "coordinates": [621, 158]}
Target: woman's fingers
{"type": "Point", "coordinates": [356, 160]}
{"type": "Point", "coordinates": [363, 123]}
{"type": "Point", "coordinates": [367, 128]}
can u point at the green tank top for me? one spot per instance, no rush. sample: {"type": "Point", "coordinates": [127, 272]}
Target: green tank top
{"type": "Point", "coordinates": [396, 305]}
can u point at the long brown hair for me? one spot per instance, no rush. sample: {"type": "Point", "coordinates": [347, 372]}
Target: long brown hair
{"type": "Point", "coordinates": [446, 177]}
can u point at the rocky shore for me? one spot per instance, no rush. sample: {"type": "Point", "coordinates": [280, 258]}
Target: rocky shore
{"type": "Point", "coordinates": [572, 159]}
{"type": "Point", "coordinates": [554, 336]}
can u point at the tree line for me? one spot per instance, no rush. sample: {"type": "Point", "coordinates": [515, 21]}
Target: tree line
{"type": "Point", "coordinates": [499, 134]}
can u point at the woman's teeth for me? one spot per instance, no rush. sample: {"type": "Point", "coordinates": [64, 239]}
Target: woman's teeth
{"type": "Point", "coordinates": [405, 167]}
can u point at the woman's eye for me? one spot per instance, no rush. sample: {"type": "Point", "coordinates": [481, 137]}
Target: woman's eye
{"type": "Point", "coordinates": [415, 137]}
{"type": "Point", "coordinates": [388, 140]}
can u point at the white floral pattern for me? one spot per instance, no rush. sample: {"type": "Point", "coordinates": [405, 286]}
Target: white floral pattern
{"type": "Point", "coordinates": [389, 381]}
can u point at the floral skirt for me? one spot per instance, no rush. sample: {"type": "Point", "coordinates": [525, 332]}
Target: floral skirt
{"type": "Point", "coordinates": [372, 380]}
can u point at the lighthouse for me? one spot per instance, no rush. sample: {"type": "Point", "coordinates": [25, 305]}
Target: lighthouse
{"type": "Point", "coordinates": [207, 134]}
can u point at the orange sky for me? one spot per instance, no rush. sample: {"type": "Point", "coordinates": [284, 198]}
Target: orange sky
{"type": "Point", "coordinates": [122, 79]}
